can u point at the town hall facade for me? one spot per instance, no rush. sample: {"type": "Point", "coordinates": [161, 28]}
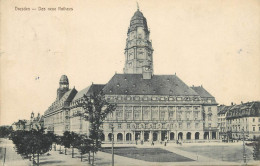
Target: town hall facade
{"type": "Point", "coordinates": [149, 107]}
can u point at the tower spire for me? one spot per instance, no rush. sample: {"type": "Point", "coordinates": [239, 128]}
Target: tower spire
{"type": "Point", "coordinates": [137, 5]}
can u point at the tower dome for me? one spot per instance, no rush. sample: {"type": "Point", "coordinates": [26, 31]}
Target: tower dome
{"type": "Point", "coordinates": [64, 86]}
{"type": "Point", "coordinates": [64, 79]}
{"type": "Point", "coordinates": [138, 20]}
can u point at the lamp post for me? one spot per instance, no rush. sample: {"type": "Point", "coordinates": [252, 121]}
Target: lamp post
{"type": "Point", "coordinates": [244, 148]}
{"type": "Point", "coordinates": [112, 127]}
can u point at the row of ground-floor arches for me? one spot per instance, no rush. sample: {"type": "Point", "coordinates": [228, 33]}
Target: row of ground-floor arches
{"type": "Point", "coordinates": [158, 136]}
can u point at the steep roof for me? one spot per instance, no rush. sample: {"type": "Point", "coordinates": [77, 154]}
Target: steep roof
{"type": "Point", "coordinates": [134, 84]}
{"type": "Point", "coordinates": [201, 91]}
{"type": "Point", "coordinates": [94, 88]}
{"type": "Point", "coordinates": [67, 97]}
{"type": "Point", "coordinates": [224, 109]}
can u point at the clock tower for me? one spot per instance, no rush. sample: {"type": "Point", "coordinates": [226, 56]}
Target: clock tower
{"type": "Point", "coordinates": [138, 50]}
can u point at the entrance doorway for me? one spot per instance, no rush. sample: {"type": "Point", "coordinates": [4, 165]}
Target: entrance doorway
{"type": "Point", "coordinates": [146, 136]}
{"type": "Point", "coordinates": [188, 135]}
{"type": "Point", "coordinates": [164, 135]}
{"type": "Point", "coordinates": [171, 136]}
{"type": "Point", "coordinates": [206, 135]}
{"type": "Point", "coordinates": [155, 135]}
{"type": "Point", "coordinates": [214, 135]}
{"type": "Point", "coordinates": [180, 136]}
{"type": "Point", "coordinates": [137, 136]}
{"type": "Point", "coordinates": [197, 135]}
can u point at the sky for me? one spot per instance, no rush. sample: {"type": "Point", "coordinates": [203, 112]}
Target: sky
{"type": "Point", "coordinates": [211, 43]}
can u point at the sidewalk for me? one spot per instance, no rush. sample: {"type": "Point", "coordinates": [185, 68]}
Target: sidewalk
{"type": "Point", "coordinates": [12, 158]}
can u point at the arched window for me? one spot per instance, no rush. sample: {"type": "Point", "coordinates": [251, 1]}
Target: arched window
{"type": "Point", "coordinates": [119, 137]}
{"type": "Point", "coordinates": [171, 136]}
{"type": "Point", "coordinates": [128, 137]}
{"type": "Point", "coordinates": [188, 136]}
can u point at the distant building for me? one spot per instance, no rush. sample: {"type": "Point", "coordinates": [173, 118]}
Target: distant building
{"type": "Point", "coordinates": [56, 117]}
{"type": "Point", "coordinates": [242, 118]}
{"type": "Point", "coordinates": [34, 123]}
{"type": "Point", "coordinates": [20, 125]}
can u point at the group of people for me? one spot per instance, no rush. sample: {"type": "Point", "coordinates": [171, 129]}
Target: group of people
{"type": "Point", "coordinates": [152, 143]}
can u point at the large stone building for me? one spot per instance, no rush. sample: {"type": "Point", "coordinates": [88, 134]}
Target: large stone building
{"type": "Point", "coordinates": [238, 120]}
{"type": "Point", "coordinates": [56, 117]}
{"type": "Point", "coordinates": [149, 107]}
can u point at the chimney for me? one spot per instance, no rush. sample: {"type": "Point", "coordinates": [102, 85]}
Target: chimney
{"type": "Point", "coordinates": [232, 103]}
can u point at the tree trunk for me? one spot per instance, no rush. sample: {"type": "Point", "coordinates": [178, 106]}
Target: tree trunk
{"type": "Point", "coordinates": [72, 152]}
{"type": "Point", "coordinates": [55, 147]}
{"type": "Point", "coordinates": [33, 159]}
{"type": "Point", "coordinates": [89, 157]}
{"type": "Point", "coordinates": [93, 158]}
{"type": "Point", "coordinates": [65, 151]}
{"type": "Point", "coordinates": [38, 159]}
{"type": "Point", "coordinates": [81, 157]}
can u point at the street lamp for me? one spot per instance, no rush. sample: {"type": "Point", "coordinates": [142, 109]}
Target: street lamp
{"type": "Point", "coordinates": [112, 127]}
{"type": "Point", "coordinates": [244, 149]}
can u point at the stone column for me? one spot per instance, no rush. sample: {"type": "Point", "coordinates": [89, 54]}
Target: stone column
{"type": "Point", "coordinates": [159, 135]}
{"type": "Point", "coordinates": [142, 135]}
{"type": "Point", "coordinates": [150, 136]}
{"type": "Point", "coordinates": [123, 112]}
{"type": "Point", "coordinates": [132, 113]}
{"type": "Point", "coordinates": [192, 136]}
{"type": "Point", "coordinates": [184, 134]}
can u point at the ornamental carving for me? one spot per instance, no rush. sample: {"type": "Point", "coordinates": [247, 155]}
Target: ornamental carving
{"type": "Point", "coordinates": [133, 125]}
{"type": "Point", "coordinates": [142, 126]}
{"type": "Point", "coordinates": [159, 126]}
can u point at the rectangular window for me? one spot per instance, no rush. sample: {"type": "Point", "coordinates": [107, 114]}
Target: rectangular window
{"type": "Point", "coordinates": [253, 128]}
{"type": "Point", "coordinates": [180, 125]}
{"type": "Point", "coordinates": [188, 125]}
{"type": "Point", "coordinates": [162, 116]}
{"type": "Point", "coordinates": [137, 113]}
{"type": "Point", "coordinates": [128, 125]}
{"type": "Point", "coordinates": [171, 114]}
{"type": "Point", "coordinates": [179, 114]}
{"type": "Point", "coordinates": [119, 125]}
{"type": "Point", "coordinates": [253, 119]}
{"type": "Point", "coordinates": [146, 113]}
{"type": "Point", "coordinates": [128, 113]}
{"type": "Point", "coordinates": [188, 115]}
{"type": "Point", "coordinates": [196, 125]}
{"type": "Point", "coordinates": [155, 115]}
